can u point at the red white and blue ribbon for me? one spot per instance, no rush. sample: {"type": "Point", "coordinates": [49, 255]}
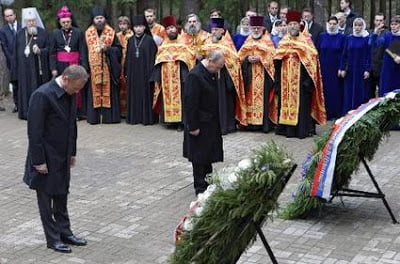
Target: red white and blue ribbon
{"type": "Point", "coordinates": [323, 177]}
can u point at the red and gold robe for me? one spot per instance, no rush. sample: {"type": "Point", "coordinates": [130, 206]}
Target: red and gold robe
{"type": "Point", "coordinates": [195, 42]}
{"type": "Point", "coordinates": [170, 54]}
{"type": "Point", "coordinates": [263, 48]}
{"type": "Point", "coordinates": [232, 64]}
{"type": "Point", "coordinates": [123, 40]}
{"type": "Point", "coordinates": [294, 51]}
{"type": "Point", "coordinates": [99, 71]}
{"type": "Point", "coordinates": [158, 30]}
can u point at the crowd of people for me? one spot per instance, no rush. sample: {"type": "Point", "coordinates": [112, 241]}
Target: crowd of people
{"type": "Point", "coordinates": [278, 75]}
{"type": "Point", "coordinates": [280, 72]}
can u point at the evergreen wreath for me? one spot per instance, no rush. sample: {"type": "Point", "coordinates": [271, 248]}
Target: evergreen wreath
{"type": "Point", "coordinates": [236, 196]}
{"type": "Point", "coordinates": [360, 141]}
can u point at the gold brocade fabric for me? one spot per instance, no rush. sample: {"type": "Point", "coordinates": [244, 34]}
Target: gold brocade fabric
{"type": "Point", "coordinates": [158, 30]}
{"type": "Point", "coordinates": [293, 52]}
{"type": "Point", "coordinates": [123, 89]}
{"type": "Point", "coordinates": [170, 54]}
{"type": "Point", "coordinates": [195, 42]}
{"type": "Point", "coordinates": [99, 71]}
{"type": "Point", "coordinates": [232, 64]}
{"type": "Point", "coordinates": [265, 50]}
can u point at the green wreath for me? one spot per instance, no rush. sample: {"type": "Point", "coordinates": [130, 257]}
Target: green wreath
{"type": "Point", "coordinates": [360, 141]}
{"type": "Point", "coordinates": [236, 196]}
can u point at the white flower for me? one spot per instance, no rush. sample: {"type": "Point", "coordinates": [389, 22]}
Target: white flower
{"type": "Point", "coordinates": [286, 161]}
{"type": "Point", "coordinates": [211, 188]}
{"type": "Point", "coordinates": [244, 164]}
{"type": "Point", "coordinates": [200, 198]}
{"type": "Point", "coordinates": [187, 225]}
{"type": "Point", "coordinates": [198, 211]}
{"type": "Point", "coordinates": [193, 204]}
{"type": "Point", "coordinates": [232, 178]}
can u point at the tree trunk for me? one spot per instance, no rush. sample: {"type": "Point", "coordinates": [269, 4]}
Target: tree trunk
{"type": "Point", "coordinates": [191, 6]}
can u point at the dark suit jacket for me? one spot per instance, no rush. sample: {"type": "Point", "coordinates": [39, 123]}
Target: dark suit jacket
{"type": "Point", "coordinates": [268, 23]}
{"type": "Point", "coordinates": [10, 37]}
{"type": "Point", "coordinates": [315, 30]}
{"type": "Point", "coordinates": [52, 138]}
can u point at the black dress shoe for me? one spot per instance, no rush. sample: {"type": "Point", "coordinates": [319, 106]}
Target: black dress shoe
{"type": "Point", "coordinates": [15, 109]}
{"type": "Point", "coordinates": [73, 240]}
{"type": "Point", "coordinates": [59, 247]}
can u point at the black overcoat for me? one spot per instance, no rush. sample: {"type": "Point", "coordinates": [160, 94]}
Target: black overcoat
{"type": "Point", "coordinates": [201, 111]}
{"type": "Point", "coordinates": [52, 137]}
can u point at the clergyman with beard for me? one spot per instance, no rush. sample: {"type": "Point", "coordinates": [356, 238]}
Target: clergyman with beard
{"type": "Point", "coordinates": [31, 68]}
{"type": "Point", "coordinates": [140, 57]}
{"type": "Point", "coordinates": [300, 96]}
{"type": "Point", "coordinates": [232, 108]}
{"type": "Point", "coordinates": [193, 36]}
{"type": "Point", "coordinates": [104, 59]}
{"type": "Point", "coordinates": [173, 62]}
{"type": "Point", "coordinates": [256, 56]}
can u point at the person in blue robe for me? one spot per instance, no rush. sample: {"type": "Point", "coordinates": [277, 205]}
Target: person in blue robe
{"type": "Point", "coordinates": [279, 30]}
{"type": "Point", "coordinates": [355, 67]}
{"type": "Point", "coordinates": [330, 47]}
{"type": "Point", "coordinates": [391, 61]}
{"type": "Point", "coordinates": [244, 32]}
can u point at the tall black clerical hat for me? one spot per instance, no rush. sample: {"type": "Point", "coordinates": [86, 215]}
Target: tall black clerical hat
{"type": "Point", "coordinates": [98, 11]}
{"type": "Point", "coordinates": [138, 20]}
{"type": "Point", "coordinates": [217, 22]}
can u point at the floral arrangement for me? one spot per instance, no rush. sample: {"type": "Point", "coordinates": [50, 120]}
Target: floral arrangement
{"type": "Point", "coordinates": [236, 196]}
{"type": "Point", "coordinates": [361, 140]}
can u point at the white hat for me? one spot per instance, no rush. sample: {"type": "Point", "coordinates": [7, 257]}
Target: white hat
{"type": "Point", "coordinates": [31, 13]}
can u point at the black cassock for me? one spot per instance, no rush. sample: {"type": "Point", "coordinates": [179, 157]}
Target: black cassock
{"type": "Point", "coordinates": [201, 109]}
{"type": "Point", "coordinates": [30, 70]}
{"type": "Point", "coordinates": [156, 77]}
{"type": "Point", "coordinates": [268, 84]}
{"type": "Point", "coordinates": [112, 114]}
{"type": "Point", "coordinates": [140, 57]}
{"type": "Point", "coordinates": [75, 40]}
{"type": "Point", "coordinates": [306, 125]}
{"type": "Point", "coordinates": [70, 41]}
{"type": "Point", "coordinates": [227, 97]}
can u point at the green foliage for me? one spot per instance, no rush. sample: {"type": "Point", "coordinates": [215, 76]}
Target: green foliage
{"type": "Point", "coordinates": [228, 212]}
{"type": "Point", "coordinates": [360, 141]}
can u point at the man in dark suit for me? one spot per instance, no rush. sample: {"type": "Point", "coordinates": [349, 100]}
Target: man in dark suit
{"type": "Point", "coordinates": [314, 28]}
{"type": "Point", "coordinates": [202, 143]}
{"type": "Point", "coordinates": [10, 30]}
{"type": "Point", "coordinates": [52, 134]}
{"type": "Point", "coordinates": [272, 16]}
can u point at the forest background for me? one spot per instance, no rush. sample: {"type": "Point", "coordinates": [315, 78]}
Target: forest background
{"type": "Point", "coordinates": [232, 10]}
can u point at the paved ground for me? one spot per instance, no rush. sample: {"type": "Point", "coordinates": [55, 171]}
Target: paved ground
{"type": "Point", "coordinates": [131, 186]}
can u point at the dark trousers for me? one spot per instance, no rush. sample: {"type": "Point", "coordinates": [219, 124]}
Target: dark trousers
{"type": "Point", "coordinates": [199, 176]}
{"type": "Point", "coordinates": [15, 93]}
{"type": "Point", "coordinates": [54, 215]}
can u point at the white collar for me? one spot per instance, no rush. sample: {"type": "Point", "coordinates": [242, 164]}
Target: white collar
{"type": "Point", "coordinates": [58, 81]}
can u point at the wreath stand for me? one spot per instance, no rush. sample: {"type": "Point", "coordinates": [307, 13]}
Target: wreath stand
{"type": "Point", "coordinates": [249, 223]}
{"type": "Point", "coordinates": [376, 195]}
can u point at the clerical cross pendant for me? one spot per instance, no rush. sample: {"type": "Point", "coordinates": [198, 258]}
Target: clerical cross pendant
{"type": "Point", "coordinates": [67, 48]}
{"type": "Point", "coordinates": [137, 53]}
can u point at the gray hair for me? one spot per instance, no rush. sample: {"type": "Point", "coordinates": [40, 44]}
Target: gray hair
{"type": "Point", "coordinates": [215, 55]}
{"type": "Point", "coordinates": [76, 72]}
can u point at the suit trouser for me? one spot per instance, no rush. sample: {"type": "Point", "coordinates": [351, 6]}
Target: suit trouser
{"type": "Point", "coordinates": [200, 172]}
{"type": "Point", "coordinates": [54, 215]}
{"type": "Point", "coordinates": [15, 93]}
